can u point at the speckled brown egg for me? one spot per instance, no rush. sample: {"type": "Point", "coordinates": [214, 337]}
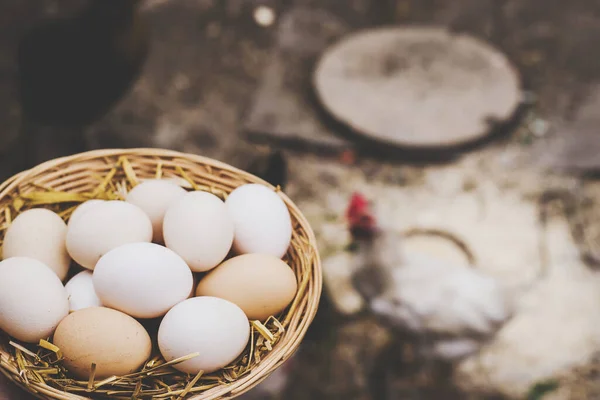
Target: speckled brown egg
{"type": "Point", "coordinates": [261, 285]}
{"type": "Point", "coordinates": [114, 341]}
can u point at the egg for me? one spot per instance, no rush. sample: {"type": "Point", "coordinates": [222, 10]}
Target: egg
{"type": "Point", "coordinates": [40, 234]}
{"type": "Point", "coordinates": [103, 227]}
{"type": "Point", "coordinates": [80, 289]}
{"type": "Point", "coordinates": [154, 196]}
{"type": "Point", "coordinates": [32, 299]}
{"type": "Point", "coordinates": [143, 280]}
{"type": "Point", "coordinates": [114, 341]}
{"type": "Point", "coordinates": [215, 328]}
{"type": "Point", "coordinates": [82, 208]}
{"type": "Point", "coordinates": [198, 228]}
{"type": "Point", "coordinates": [262, 220]}
{"type": "Point", "coordinates": [260, 284]}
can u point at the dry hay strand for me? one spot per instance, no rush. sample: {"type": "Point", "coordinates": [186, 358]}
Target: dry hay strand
{"type": "Point", "coordinates": [61, 185]}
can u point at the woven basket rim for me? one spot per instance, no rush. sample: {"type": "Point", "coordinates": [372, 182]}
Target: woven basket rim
{"type": "Point", "coordinates": [281, 352]}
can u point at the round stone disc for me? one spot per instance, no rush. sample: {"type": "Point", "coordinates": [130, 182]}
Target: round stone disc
{"type": "Point", "coordinates": [417, 87]}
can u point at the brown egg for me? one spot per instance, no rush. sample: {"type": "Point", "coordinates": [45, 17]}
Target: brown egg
{"type": "Point", "coordinates": [114, 341]}
{"type": "Point", "coordinates": [261, 285]}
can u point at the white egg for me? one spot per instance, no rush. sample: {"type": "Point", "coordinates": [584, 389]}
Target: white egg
{"type": "Point", "coordinates": [82, 208]}
{"type": "Point", "coordinates": [213, 327]}
{"type": "Point", "coordinates": [154, 197]}
{"type": "Point", "coordinates": [80, 289]}
{"type": "Point", "coordinates": [199, 229]}
{"type": "Point", "coordinates": [32, 299]}
{"type": "Point", "coordinates": [262, 220]}
{"type": "Point", "coordinates": [104, 227]}
{"type": "Point", "coordinates": [40, 234]}
{"type": "Point", "coordinates": [143, 280]}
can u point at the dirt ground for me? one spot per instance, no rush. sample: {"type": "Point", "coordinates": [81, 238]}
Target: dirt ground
{"type": "Point", "coordinates": [198, 104]}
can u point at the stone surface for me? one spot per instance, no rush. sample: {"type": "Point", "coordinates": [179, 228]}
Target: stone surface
{"type": "Point", "coordinates": [283, 109]}
{"type": "Point", "coordinates": [417, 86]}
{"type": "Point", "coordinates": [15, 19]}
{"type": "Point", "coordinates": [575, 144]}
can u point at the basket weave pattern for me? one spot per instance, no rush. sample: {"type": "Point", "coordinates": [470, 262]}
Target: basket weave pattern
{"type": "Point", "coordinates": [83, 173]}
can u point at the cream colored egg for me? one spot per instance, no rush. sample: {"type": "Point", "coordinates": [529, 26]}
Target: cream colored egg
{"type": "Point", "coordinates": [262, 285]}
{"type": "Point", "coordinates": [262, 220]}
{"type": "Point", "coordinates": [32, 299]}
{"type": "Point", "coordinates": [40, 234]}
{"type": "Point", "coordinates": [114, 341]}
{"type": "Point", "coordinates": [215, 328]}
{"type": "Point", "coordinates": [104, 227]}
{"type": "Point", "coordinates": [198, 228]}
{"type": "Point", "coordinates": [82, 208]}
{"type": "Point", "coordinates": [80, 289]}
{"type": "Point", "coordinates": [154, 197]}
{"type": "Point", "coordinates": [143, 280]}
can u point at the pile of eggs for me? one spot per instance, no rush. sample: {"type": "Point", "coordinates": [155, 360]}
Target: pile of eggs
{"type": "Point", "coordinates": [203, 267]}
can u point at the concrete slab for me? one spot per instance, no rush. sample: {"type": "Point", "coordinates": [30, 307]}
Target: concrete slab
{"type": "Point", "coordinates": [282, 110]}
{"type": "Point", "coordinates": [417, 86]}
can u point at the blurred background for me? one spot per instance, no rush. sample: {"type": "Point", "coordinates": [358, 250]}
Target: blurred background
{"type": "Point", "coordinates": [445, 153]}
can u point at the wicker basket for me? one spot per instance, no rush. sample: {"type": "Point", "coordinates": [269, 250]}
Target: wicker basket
{"type": "Point", "coordinates": [83, 173]}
